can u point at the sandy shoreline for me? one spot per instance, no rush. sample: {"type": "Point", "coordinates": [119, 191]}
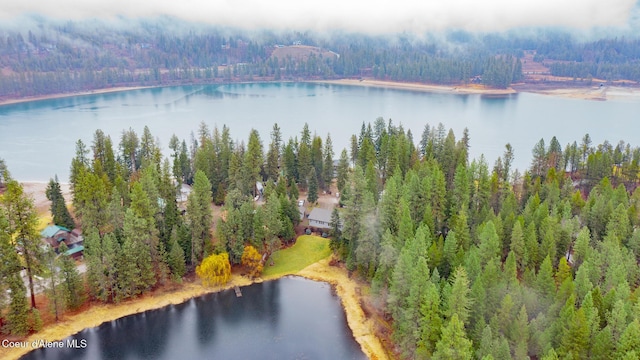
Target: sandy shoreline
{"type": "Point", "coordinates": [37, 191]}
{"type": "Point", "coordinates": [596, 92]}
{"type": "Point", "coordinates": [363, 329]}
{"type": "Point", "coordinates": [64, 95]}
{"type": "Point", "coordinates": [451, 89]}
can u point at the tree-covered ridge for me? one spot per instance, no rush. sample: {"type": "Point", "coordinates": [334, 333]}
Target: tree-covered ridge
{"type": "Point", "coordinates": [464, 259]}
{"type": "Point", "coordinates": [75, 56]}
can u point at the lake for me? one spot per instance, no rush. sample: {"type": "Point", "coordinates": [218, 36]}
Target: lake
{"type": "Point", "coordinates": [289, 318]}
{"type": "Point", "coordinates": [37, 139]}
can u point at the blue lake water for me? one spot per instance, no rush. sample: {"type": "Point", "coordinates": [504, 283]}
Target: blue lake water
{"type": "Point", "coordinates": [37, 139]}
{"type": "Point", "coordinates": [289, 318]}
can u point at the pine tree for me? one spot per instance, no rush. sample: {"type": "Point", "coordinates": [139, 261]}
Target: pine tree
{"type": "Point", "coordinates": [53, 291]}
{"type": "Point", "coordinates": [22, 227]}
{"type": "Point", "coordinates": [176, 256]}
{"type": "Point", "coordinates": [18, 312]}
{"type": "Point", "coordinates": [544, 281]}
{"type": "Point", "coordinates": [327, 167]}
{"type": "Point", "coordinates": [575, 340]}
{"type": "Point", "coordinates": [61, 215]}
{"type": "Point", "coordinates": [459, 300]}
{"type": "Point", "coordinates": [518, 247]}
{"type": "Point", "coordinates": [630, 340]}
{"type": "Point", "coordinates": [312, 195]}
{"type": "Point", "coordinates": [253, 162]}
{"type": "Point", "coordinates": [199, 216]}
{"type": "Point", "coordinates": [342, 171]}
{"type": "Point", "coordinates": [72, 288]}
{"type": "Point", "coordinates": [273, 154]}
{"type": "Point", "coordinates": [430, 321]}
{"type": "Point", "coordinates": [453, 344]}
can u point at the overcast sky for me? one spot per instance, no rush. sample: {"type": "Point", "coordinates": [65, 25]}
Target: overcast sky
{"type": "Point", "coordinates": [372, 16]}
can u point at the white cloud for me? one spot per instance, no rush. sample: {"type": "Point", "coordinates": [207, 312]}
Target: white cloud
{"type": "Point", "coordinates": [373, 16]}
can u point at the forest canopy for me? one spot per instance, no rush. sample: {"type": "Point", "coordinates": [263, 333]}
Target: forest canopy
{"type": "Point", "coordinates": [462, 257]}
{"type": "Point", "coordinates": [53, 58]}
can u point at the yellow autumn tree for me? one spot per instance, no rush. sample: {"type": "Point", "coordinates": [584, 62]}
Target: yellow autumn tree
{"type": "Point", "coordinates": [252, 260]}
{"type": "Point", "coordinates": [214, 269]}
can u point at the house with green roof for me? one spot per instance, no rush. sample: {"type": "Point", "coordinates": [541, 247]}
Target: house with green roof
{"type": "Point", "coordinates": [54, 235]}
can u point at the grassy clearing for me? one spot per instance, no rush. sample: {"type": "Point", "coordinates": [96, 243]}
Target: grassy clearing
{"type": "Point", "coordinates": [307, 250]}
{"type": "Point", "coordinates": [44, 220]}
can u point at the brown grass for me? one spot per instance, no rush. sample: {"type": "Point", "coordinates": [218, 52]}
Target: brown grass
{"type": "Point", "coordinates": [364, 327]}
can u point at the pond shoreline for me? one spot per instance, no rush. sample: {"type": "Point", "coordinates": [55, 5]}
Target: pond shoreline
{"type": "Point", "coordinates": [97, 314]}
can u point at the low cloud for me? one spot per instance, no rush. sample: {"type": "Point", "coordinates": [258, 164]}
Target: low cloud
{"type": "Point", "coordinates": [373, 16]}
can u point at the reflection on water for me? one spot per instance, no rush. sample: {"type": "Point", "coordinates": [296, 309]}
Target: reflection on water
{"type": "Point", "coordinates": [31, 132]}
{"type": "Point", "coordinates": [290, 318]}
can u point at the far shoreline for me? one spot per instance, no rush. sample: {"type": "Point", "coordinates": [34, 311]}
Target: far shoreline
{"type": "Point", "coordinates": [595, 93]}
{"type": "Point", "coordinates": [12, 101]}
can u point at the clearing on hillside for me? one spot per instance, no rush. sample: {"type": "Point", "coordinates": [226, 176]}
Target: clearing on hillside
{"type": "Point", "coordinates": [301, 52]}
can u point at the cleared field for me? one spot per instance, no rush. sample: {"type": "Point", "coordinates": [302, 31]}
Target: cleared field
{"type": "Point", "coordinates": [301, 52]}
{"type": "Point", "coordinates": [307, 250]}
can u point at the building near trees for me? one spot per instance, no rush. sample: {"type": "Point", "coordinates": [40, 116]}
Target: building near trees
{"type": "Point", "coordinates": [54, 236]}
{"type": "Point", "coordinates": [320, 218]}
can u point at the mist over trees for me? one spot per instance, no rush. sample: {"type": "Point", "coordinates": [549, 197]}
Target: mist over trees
{"type": "Point", "coordinates": [74, 56]}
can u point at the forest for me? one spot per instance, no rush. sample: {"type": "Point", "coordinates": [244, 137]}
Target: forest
{"type": "Point", "coordinates": [53, 57]}
{"type": "Point", "coordinates": [464, 260]}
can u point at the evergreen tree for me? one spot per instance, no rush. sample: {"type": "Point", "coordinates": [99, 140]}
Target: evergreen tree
{"type": "Point", "coordinates": [18, 310]}
{"type": "Point", "coordinates": [342, 171]}
{"type": "Point", "coordinates": [312, 195]}
{"type": "Point", "coordinates": [176, 259]}
{"type": "Point", "coordinates": [328, 167]}
{"type": "Point", "coordinates": [199, 216]}
{"type": "Point", "coordinates": [459, 302]}
{"type": "Point", "coordinates": [630, 340]}
{"type": "Point", "coordinates": [72, 288]}
{"type": "Point", "coordinates": [430, 321]}
{"type": "Point", "coordinates": [22, 228]}
{"type": "Point", "coordinates": [253, 163]}
{"type": "Point", "coordinates": [61, 215]}
{"type": "Point", "coordinates": [53, 291]}
{"type": "Point", "coordinates": [273, 154]}
{"type": "Point", "coordinates": [453, 344]}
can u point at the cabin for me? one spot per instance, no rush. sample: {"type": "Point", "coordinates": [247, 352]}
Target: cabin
{"type": "Point", "coordinates": [54, 235]}
{"type": "Point", "coordinates": [320, 218]}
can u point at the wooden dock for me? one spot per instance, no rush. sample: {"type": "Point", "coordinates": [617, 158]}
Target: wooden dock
{"type": "Point", "coordinates": [238, 292]}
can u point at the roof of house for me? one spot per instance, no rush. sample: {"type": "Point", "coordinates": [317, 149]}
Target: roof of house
{"type": "Point", "coordinates": [74, 250]}
{"type": "Point", "coordinates": [51, 230]}
{"type": "Point", "coordinates": [320, 214]}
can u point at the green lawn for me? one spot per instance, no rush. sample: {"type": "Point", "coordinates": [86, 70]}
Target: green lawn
{"type": "Point", "coordinates": [307, 250]}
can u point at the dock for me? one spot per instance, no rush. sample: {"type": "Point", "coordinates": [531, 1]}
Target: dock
{"type": "Point", "coordinates": [238, 292]}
